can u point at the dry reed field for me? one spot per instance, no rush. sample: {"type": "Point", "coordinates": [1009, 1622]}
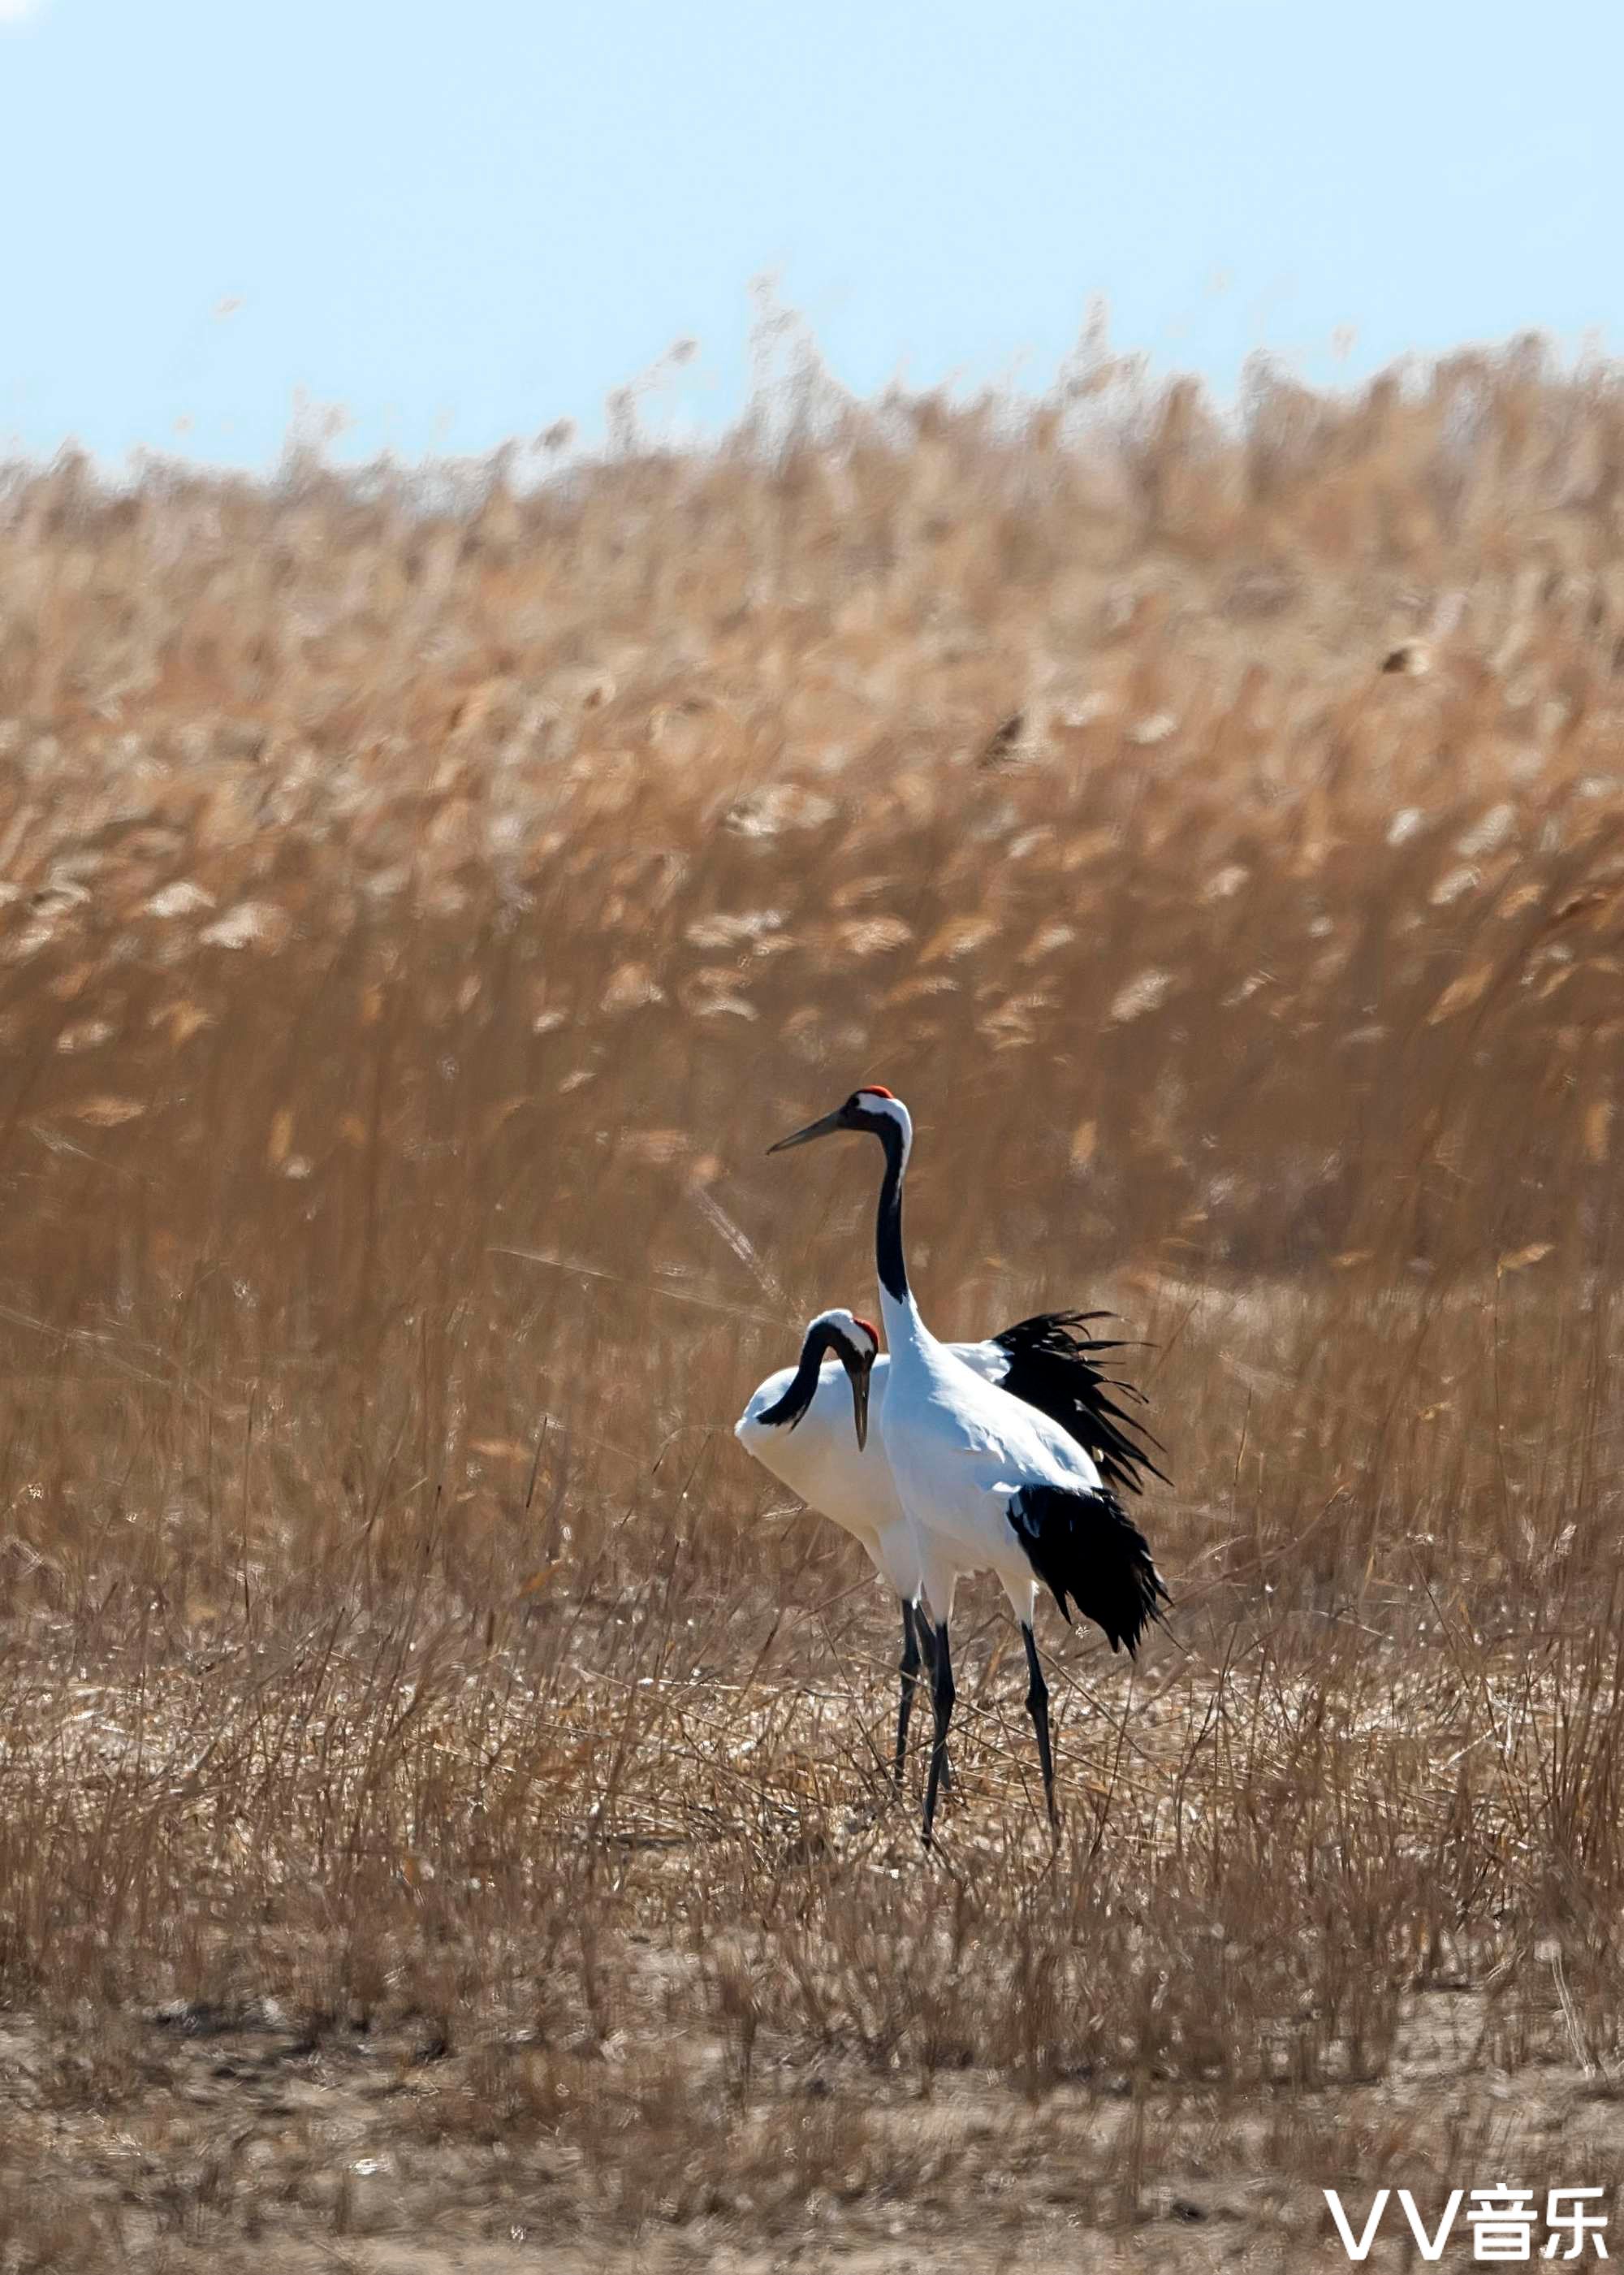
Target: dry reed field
{"type": "Point", "coordinates": [444, 1816]}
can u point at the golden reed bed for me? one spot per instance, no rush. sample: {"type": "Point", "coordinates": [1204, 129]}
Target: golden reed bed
{"type": "Point", "coordinates": [442, 1794]}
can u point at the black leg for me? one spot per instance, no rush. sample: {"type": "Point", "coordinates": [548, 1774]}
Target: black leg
{"type": "Point", "coordinates": [927, 1646]}
{"type": "Point", "coordinates": [909, 1671]}
{"type": "Point", "coordinates": [1037, 1707]}
{"type": "Point", "coordinates": [943, 1695]}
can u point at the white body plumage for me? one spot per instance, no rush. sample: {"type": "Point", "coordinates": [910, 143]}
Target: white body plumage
{"type": "Point", "coordinates": [820, 1459]}
{"type": "Point", "coordinates": [959, 1449]}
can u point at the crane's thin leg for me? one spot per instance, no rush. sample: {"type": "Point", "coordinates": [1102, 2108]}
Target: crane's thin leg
{"type": "Point", "coordinates": [926, 1634]}
{"type": "Point", "coordinates": [909, 1671]}
{"type": "Point", "coordinates": [1037, 1707]}
{"type": "Point", "coordinates": [944, 1695]}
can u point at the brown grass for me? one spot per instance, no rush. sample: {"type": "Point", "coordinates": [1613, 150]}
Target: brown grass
{"type": "Point", "coordinates": [441, 1802]}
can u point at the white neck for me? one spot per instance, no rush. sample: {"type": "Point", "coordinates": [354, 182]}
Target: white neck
{"type": "Point", "coordinates": [907, 1336]}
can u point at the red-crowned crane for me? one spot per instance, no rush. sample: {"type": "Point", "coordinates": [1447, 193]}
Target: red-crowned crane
{"type": "Point", "coordinates": [797, 1426]}
{"type": "Point", "coordinates": [988, 1483]}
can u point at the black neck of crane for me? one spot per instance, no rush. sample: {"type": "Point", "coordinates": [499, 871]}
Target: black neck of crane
{"type": "Point", "coordinates": [888, 1258]}
{"type": "Point", "coordinates": [804, 1387]}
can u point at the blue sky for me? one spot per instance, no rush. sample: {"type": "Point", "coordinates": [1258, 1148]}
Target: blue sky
{"type": "Point", "coordinates": [462, 222]}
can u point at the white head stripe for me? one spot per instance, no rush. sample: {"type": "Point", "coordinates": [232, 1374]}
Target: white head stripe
{"type": "Point", "coordinates": [848, 1327]}
{"type": "Point", "coordinates": [892, 1109]}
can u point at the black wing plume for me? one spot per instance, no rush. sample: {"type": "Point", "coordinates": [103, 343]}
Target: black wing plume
{"type": "Point", "coordinates": [1054, 1366]}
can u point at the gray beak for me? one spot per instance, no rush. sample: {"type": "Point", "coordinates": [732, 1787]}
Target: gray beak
{"type": "Point", "coordinates": [859, 1402]}
{"type": "Point", "coordinates": [824, 1126]}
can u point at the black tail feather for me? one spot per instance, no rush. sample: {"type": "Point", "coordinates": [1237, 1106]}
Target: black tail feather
{"type": "Point", "coordinates": [1054, 1366]}
{"type": "Point", "coordinates": [1084, 1546]}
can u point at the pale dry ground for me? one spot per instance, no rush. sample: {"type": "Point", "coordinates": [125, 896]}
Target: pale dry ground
{"type": "Point", "coordinates": [443, 1802]}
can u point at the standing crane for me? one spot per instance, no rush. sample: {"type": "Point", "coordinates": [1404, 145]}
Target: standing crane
{"type": "Point", "coordinates": [987, 1482]}
{"type": "Point", "coordinates": [795, 1425]}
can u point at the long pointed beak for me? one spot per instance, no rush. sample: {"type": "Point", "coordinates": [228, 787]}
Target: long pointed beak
{"type": "Point", "coordinates": [826, 1125]}
{"type": "Point", "coordinates": [859, 1402]}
